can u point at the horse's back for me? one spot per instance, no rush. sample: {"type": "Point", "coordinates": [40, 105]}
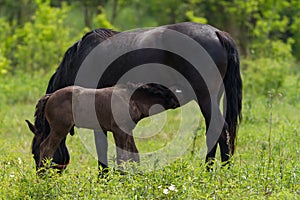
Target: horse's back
{"type": "Point", "coordinates": [206, 36]}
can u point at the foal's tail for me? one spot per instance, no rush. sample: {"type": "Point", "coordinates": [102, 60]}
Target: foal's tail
{"type": "Point", "coordinates": [40, 122]}
{"type": "Point", "coordinates": [233, 87]}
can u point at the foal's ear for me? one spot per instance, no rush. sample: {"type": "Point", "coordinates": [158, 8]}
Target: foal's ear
{"type": "Point", "coordinates": [30, 125]}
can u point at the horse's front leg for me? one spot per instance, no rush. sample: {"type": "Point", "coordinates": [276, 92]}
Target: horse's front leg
{"type": "Point", "coordinates": [101, 147]}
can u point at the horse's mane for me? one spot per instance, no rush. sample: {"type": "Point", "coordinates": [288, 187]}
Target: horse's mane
{"type": "Point", "coordinates": [74, 57]}
{"type": "Point", "coordinates": [100, 33]}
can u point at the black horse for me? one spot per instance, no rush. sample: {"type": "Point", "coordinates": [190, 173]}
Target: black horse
{"type": "Point", "coordinates": [218, 45]}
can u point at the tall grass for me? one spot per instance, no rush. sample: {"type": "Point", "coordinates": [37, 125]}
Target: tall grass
{"type": "Point", "coordinates": [266, 164]}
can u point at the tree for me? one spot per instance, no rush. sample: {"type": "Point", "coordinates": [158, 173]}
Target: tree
{"type": "Point", "coordinates": [17, 11]}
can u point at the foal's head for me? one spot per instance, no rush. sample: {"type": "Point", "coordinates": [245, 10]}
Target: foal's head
{"type": "Point", "coordinates": [36, 141]}
{"type": "Point", "coordinates": [41, 130]}
{"type": "Point", "coordinates": [152, 93]}
{"type": "Point", "coordinates": [61, 157]}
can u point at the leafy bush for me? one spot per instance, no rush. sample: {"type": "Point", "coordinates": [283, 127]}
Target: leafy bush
{"type": "Point", "coordinates": [5, 37]}
{"type": "Point", "coordinates": [22, 88]}
{"type": "Point", "coordinates": [101, 21]}
{"type": "Point", "coordinates": [42, 41]}
{"type": "Point", "coordinates": [267, 67]}
{"type": "Point", "coordinates": [39, 44]}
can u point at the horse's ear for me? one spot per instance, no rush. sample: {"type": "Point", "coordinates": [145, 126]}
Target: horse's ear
{"type": "Point", "coordinates": [30, 125]}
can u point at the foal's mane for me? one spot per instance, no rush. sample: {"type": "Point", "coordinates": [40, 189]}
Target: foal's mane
{"type": "Point", "coordinates": [39, 115]}
{"type": "Point", "coordinates": [151, 90]}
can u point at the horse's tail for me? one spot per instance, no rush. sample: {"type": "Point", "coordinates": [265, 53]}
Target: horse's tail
{"type": "Point", "coordinates": [40, 122]}
{"type": "Point", "coordinates": [233, 87]}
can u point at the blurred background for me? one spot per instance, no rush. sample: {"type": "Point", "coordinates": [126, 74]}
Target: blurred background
{"type": "Point", "coordinates": [35, 34]}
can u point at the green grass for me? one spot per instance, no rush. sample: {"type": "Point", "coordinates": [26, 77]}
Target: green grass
{"type": "Point", "coordinates": [266, 163]}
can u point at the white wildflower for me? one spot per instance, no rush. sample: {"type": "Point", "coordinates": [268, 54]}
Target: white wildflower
{"type": "Point", "coordinates": [19, 160]}
{"type": "Point", "coordinates": [12, 175]}
{"type": "Point", "coordinates": [159, 187]}
{"type": "Point", "coordinates": [172, 187]}
{"type": "Point", "coordinates": [166, 191]}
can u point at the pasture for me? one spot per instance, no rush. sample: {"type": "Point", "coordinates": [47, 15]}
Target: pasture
{"type": "Point", "coordinates": [266, 163]}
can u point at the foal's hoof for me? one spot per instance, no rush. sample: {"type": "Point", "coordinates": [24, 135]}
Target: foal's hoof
{"type": "Point", "coordinates": [59, 167]}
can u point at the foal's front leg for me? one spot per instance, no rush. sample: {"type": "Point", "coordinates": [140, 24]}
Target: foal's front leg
{"type": "Point", "coordinates": [125, 147]}
{"type": "Point", "coordinates": [50, 145]}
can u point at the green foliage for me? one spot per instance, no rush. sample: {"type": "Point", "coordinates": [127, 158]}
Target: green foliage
{"type": "Point", "coordinates": [39, 44]}
{"type": "Point", "coordinates": [4, 63]}
{"type": "Point", "coordinates": [22, 88]}
{"type": "Point", "coordinates": [16, 12]}
{"type": "Point", "coordinates": [263, 75]}
{"type": "Point", "coordinates": [193, 18]}
{"type": "Point", "coordinates": [267, 72]}
{"type": "Point", "coordinates": [42, 41]}
{"type": "Point", "coordinates": [294, 14]}
{"type": "Point", "coordinates": [5, 38]}
{"type": "Point", "coordinates": [101, 21]}
{"type": "Point", "coordinates": [266, 164]}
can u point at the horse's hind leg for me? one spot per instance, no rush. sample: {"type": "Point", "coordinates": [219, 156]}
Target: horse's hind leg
{"type": "Point", "coordinates": [224, 138]}
{"type": "Point", "coordinates": [214, 125]}
{"type": "Point", "coordinates": [224, 145]}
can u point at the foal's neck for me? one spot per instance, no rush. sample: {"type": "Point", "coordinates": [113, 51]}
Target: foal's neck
{"type": "Point", "coordinates": [149, 105]}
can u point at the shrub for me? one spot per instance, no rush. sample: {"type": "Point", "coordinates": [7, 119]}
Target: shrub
{"type": "Point", "coordinates": [267, 67]}
{"type": "Point", "coordinates": [42, 41]}
{"type": "Point", "coordinates": [5, 38]}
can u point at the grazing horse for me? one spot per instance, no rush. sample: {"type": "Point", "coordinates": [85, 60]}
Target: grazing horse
{"type": "Point", "coordinates": [68, 107]}
{"type": "Point", "coordinates": [218, 45]}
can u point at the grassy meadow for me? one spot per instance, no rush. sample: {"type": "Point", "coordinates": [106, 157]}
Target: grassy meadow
{"type": "Point", "coordinates": [266, 163]}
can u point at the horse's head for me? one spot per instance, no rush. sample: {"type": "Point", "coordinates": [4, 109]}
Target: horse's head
{"type": "Point", "coordinates": [61, 157]}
